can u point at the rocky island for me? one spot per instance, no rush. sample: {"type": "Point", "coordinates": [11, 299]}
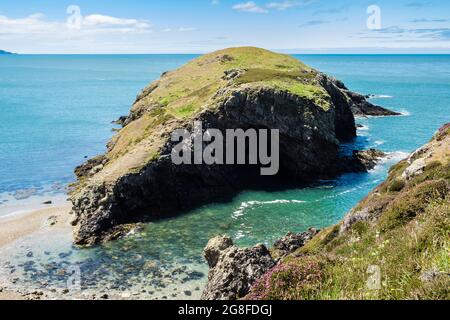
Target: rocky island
{"type": "Point", "coordinates": [391, 246]}
{"type": "Point", "coordinates": [135, 180]}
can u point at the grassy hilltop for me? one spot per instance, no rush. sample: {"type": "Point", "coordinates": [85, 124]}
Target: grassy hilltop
{"type": "Point", "coordinates": [183, 93]}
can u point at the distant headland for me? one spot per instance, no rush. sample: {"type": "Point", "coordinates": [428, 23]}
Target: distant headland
{"type": "Point", "coordinates": [6, 52]}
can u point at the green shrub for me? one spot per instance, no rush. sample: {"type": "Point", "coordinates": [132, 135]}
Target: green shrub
{"type": "Point", "coordinates": [412, 203]}
{"type": "Point", "coordinates": [397, 185]}
{"type": "Point", "coordinates": [360, 227]}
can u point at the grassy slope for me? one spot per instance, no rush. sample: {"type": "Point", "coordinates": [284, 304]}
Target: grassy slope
{"type": "Point", "coordinates": [407, 239]}
{"type": "Point", "coordinates": [182, 94]}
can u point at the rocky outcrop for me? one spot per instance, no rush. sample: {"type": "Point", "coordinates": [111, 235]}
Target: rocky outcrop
{"type": "Point", "coordinates": [401, 228]}
{"type": "Point", "coordinates": [360, 161]}
{"type": "Point", "coordinates": [359, 103]}
{"type": "Point", "coordinates": [363, 108]}
{"type": "Point", "coordinates": [233, 270]}
{"type": "Point", "coordinates": [293, 241]}
{"type": "Point", "coordinates": [90, 167]}
{"type": "Point", "coordinates": [136, 180]}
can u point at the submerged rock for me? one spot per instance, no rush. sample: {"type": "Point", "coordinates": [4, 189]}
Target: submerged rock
{"type": "Point", "coordinates": [233, 270]}
{"type": "Point", "coordinates": [24, 194]}
{"type": "Point", "coordinates": [247, 88]}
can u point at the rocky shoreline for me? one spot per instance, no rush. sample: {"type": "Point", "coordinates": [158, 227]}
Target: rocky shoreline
{"type": "Point", "coordinates": [417, 188]}
{"type": "Point", "coordinates": [136, 181]}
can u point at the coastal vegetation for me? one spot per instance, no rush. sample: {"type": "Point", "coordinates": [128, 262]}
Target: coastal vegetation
{"type": "Point", "coordinates": [401, 230]}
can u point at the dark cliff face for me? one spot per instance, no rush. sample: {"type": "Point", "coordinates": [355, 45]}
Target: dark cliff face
{"type": "Point", "coordinates": [309, 143]}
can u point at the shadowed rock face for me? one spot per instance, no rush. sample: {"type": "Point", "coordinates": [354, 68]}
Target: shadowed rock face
{"type": "Point", "coordinates": [136, 181]}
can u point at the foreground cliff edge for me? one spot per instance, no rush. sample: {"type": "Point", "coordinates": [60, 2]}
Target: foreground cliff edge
{"type": "Point", "coordinates": [392, 245]}
{"type": "Point", "coordinates": [229, 89]}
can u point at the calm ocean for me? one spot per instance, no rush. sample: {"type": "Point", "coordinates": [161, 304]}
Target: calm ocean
{"type": "Point", "coordinates": [55, 110]}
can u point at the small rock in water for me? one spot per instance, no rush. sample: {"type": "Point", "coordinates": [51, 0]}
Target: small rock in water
{"type": "Point", "coordinates": [47, 202]}
{"type": "Point", "coordinates": [51, 221]}
{"type": "Point", "coordinates": [188, 293]}
{"type": "Point", "coordinates": [63, 255]}
{"type": "Point", "coordinates": [105, 296]}
{"type": "Point", "coordinates": [30, 254]}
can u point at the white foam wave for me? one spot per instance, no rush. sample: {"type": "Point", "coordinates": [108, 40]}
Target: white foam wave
{"type": "Point", "coordinates": [396, 156]}
{"type": "Point", "coordinates": [390, 159]}
{"type": "Point", "coordinates": [249, 204]}
{"type": "Point", "coordinates": [405, 113]}
{"type": "Point", "coordinates": [381, 96]}
{"type": "Point", "coordinates": [364, 128]}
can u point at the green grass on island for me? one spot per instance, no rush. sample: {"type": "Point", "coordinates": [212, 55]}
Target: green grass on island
{"type": "Point", "coordinates": [182, 94]}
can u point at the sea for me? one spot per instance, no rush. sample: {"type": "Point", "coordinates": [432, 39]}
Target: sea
{"type": "Point", "coordinates": [57, 110]}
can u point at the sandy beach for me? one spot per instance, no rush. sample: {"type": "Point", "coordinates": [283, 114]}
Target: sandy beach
{"type": "Point", "coordinates": [15, 227]}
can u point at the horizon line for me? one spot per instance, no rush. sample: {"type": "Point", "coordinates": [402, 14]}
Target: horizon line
{"type": "Point", "coordinates": [202, 53]}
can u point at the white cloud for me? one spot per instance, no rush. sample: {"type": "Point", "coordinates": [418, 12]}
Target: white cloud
{"type": "Point", "coordinates": [249, 7]}
{"type": "Point", "coordinates": [32, 24]}
{"type": "Point", "coordinates": [99, 20]}
{"type": "Point", "coordinates": [181, 29]}
{"type": "Point", "coordinates": [91, 24]}
{"type": "Point", "coordinates": [282, 5]}
{"type": "Point", "coordinates": [252, 7]}
{"type": "Point", "coordinates": [186, 29]}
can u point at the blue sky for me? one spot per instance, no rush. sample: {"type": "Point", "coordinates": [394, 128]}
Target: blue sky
{"type": "Point", "coordinates": [197, 26]}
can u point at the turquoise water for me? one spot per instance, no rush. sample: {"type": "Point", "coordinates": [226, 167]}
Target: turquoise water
{"type": "Point", "coordinates": [55, 110]}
